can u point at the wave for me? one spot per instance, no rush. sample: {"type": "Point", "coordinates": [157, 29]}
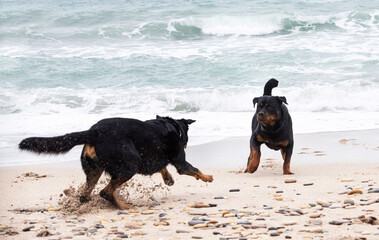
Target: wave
{"type": "Point", "coordinates": [112, 24]}
{"type": "Point", "coordinates": [312, 97]}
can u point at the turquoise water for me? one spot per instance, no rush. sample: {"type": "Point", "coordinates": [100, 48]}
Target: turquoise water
{"type": "Point", "coordinates": [66, 64]}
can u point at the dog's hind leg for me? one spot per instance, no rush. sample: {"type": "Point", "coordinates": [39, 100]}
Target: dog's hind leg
{"type": "Point", "coordinates": [167, 177]}
{"type": "Point", "coordinates": [286, 154]}
{"type": "Point", "coordinates": [109, 192]}
{"type": "Point", "coordinates": [92, 172]}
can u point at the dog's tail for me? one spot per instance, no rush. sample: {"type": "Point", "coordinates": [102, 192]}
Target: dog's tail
{"type": "Point", "coordinates": [272, 83]}
{"type": "Point", "coordinates": [55, 145]}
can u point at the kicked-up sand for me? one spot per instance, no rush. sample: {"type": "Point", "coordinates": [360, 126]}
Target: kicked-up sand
{"type": "Point", "coordinates": [334, 194]}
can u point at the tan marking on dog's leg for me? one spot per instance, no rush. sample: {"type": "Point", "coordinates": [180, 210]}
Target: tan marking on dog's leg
{"type": "Point", "coordinates": [254, 159]}
{"type": "Point", "coordinates": [110, 191]}
{"type": "Point", "coordinates": [92, 179]}
{"type": "Point", "coordinates": [167, 177]}
{"type": "Point", "coordinates": [205, 178]}
{"type": "Point", "coordinates": [286, 164]}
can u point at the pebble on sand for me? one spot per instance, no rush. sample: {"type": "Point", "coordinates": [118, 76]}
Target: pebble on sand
{"type": "Point", "coordinates": [290, 181]}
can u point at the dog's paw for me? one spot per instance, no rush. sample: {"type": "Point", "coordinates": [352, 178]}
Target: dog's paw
{"type": "Point", "coordinates": [207, 178]}
{"type": "Point", "coordinates": [288, 173]}
{"type": "Point", "coordinates": [169, 182]}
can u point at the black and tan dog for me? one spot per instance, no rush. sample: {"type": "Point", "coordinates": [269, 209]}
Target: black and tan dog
{"type": "Point", "coordinates": [271, 125]}
{"type": "Point", "coordinates": [123, 147]}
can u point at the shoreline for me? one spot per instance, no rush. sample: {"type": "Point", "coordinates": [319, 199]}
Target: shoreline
{"type": "Point", "coordinates": [361, 139]}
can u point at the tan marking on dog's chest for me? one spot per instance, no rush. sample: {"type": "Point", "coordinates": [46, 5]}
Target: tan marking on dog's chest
{"type": "Point", "coordinates": [283, 143]}
{"type": "Point", "coordinates": [89, 151]}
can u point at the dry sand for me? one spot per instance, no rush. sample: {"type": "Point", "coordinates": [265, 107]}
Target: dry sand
{"type": "Point", "coordinates": [41, 200]}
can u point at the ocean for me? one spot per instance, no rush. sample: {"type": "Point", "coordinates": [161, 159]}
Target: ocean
{"type": "Point", "coordinates": [64, 65]}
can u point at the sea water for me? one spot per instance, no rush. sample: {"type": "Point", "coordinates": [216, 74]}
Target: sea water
{"type": "Point", "coordinates": [64, 65]}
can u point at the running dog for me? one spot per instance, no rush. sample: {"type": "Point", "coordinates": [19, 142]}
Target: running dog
{"type": "Point", "coordinates": [271, 125]}
{"type": "Point", "coordinates": [123, 147]}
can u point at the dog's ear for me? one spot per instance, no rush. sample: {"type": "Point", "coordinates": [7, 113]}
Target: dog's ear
{"type": "Point", "coordinates": [158, 117]}
{"type": "Point", "coordinates": [189, 121]}
{"type": "Point", "coordinates": [255, 100]}
{"type": "Point", "coordinates": [282, 100]}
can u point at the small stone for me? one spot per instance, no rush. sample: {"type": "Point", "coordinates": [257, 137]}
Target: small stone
{"type": "Point", "coordinates": [274, 234]}
{"type": "Point", "coordinates": [234, 190]}
{"type": "Point", "coordinates": [244, 223]}
{"type": "Point", "coordinates": [181, 231]}
{"type": "Point", "coordinates": [272, 228]}
{"type": "Point", "coordinates": [373, 190]}
{"type": "Point", "coordinates": [27, 229]}
{"type": "Point", "coordinates": [99, 226]}
{"type": "Point", "coordinates": [92, 230]}
{"type": "Point", "coordinates": [289, 223]}
{"type": "Point", "coordinates": [325, 205]}
{"type": "Point", "coordinates": [132, 226]}
{"type": "Point", "coordinates": [123, 236]}
{"type": "Point", "coordinates": [194, 222]}
{"type": "Point", "coordinates": [212, 205]}
{"type": "Point", "coordinates": [335, 205]}
{"type": "Point", "coordinates": [139, 233]}
{"type": "Point", "coordinates": [199, 205]}
{"type": "Point", "coordinates": [307, 184]}
{"type": "Point", "coordinates": [316, 215]}
{"type": "Point", "coordinates": [147, 212]}
{"type": "Point", "coordinates": [216, 233]}
{"type": "Point", "coordinates": [346, 180]}
{"type": "Point", "coordinates": [288, 237]}
{"type": "Point", "coordinates": [343, 192]}
{"type": "Point", "coordinates": [334, 222]}
{"type": "Point", "coordinates": [350, 202]}
{"type": "Point", "coordinates": [279, 191]}
{"type": "Point", "coordinates": [44, 233]}
{"type": "Point", "coordinates": [163, 223]}
{"type": "Point", "coordinates": [162, 215]}
{"type": "Point", "coordinates": [355, 191]}
{"type": "Point", "coordinates": [290, 181]}
{"type": "Point", "coordinates": [321, 202]}
{"type": "Point", "coordinates": [278, 199]}
{"type": "Point", "coordinates": [219, 197]}
{"type": "Point", "coordinates": [201, 225]}
{"type": "Point", "coordinates": [197, 237]}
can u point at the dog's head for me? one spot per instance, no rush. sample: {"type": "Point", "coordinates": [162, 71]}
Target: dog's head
{"type": "Point", "coordinates": [269, 109]}
{"type": "Point", "coordinates": [178, 126]}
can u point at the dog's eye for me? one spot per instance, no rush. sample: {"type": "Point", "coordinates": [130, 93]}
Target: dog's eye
{"type": "Point", "coordinates": [269, 108]}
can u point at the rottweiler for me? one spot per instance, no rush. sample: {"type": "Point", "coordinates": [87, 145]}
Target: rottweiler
{"type": "Point", "coordinates": [123, 147]}
{"type": "Point", "coordinates": [271, 125]}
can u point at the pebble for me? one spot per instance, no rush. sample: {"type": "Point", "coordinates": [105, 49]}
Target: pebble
{"type": "Point", "coordinates": [316, 215]}
{"type": "Point", "coordinates": [27, 229]}
{"type": "Point", "coordinates": [92, 230]}
{"type": "Point", "coordinates": [199, 205]}
{"type": "Point", "coordinates": [212, 205]}
{"type": "Point", "coordinates": [334, 222]}
{"type": "Point", "coordinates": [162, 215]}
{"type": "Point", "coordinates": [373, 190]}
{"type": "Point", "coordinates": [132, 226]}
{"type": "Point", "coordinates": [234, 190]}
{"type": "Point", "coordinates": [279, 191]}
{"type": "Point", "coordinates": [289, 223]}
{"type": "Point", "coordinates": [244, 223]}
{"type": "Point", "coordinates": [99, 226]}
{"type": "Point", "coordinates": [346, 180]}
{"type": "Point", "coordinates": [307, 184]}
{"type": "Point", "coordinates": [343, 192]}
{"type": "Point", "coordinates": [197, 237]}
{"type": "Point", "coordinates": [355, 191]}
{"type": "Point", "coordinates": [219, 197]}
{"type": "Point", "coordinates": [123, 236]}
{"type": "Point", "coordinates": [290, 181]}
{"type": "Point", "coordinates": [274, 234]}
{"type": "Point", "coordinates": [315, 222]}
{"type": "Point", "coordinates": [351, 202]}
{"type": "Point", "coordinates": [194, 222]}
{"type": "Point", "coordinates": [326, 205]}
{"type": "Point", "coordinates": [163, 223]}
{"type": "Point", "coordinates": [335, 205]}
{"type": "Point", "coordinates": [321, 202]}
{"type": "Point", "coordinates": [272, 228]}
{"type": "Point", "coordinates": [147, 212]}
{"type": "Point", "coordinates": [201, 225]}
{"type": "Point", "coordinates": [181, 231]}
{"type": "Point", "coordinates": [288, 237]}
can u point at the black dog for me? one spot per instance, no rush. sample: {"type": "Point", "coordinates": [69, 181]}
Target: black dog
{"type": "Point", "coordinates": [271, 125]}
{"type": "Point", "coordinates": [123, 147]}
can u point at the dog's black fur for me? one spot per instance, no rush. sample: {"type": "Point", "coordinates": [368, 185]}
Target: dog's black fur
{"type": "Point", "coordinates": [123, 147]}
{"type": "Point", "coordinates": [271, 125]}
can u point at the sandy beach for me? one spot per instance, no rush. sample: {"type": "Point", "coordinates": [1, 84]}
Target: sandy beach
{"type": "Point", "coordinates": [334, 194]}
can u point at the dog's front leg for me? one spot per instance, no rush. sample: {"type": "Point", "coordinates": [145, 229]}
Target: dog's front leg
{"type": "Point", "coordinates": [183, 167]}
{"type": "Point", "coordinates": [254, 157]}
